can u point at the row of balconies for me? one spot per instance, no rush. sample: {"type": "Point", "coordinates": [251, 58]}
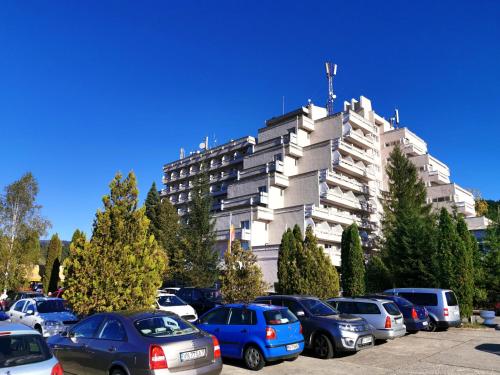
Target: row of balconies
{"type": "Point", "coordinates": [336, 178]}
{"type": "Point", "coordinates": [188, 185]}
{"type": "Point", "coordinates": [347, 165]}
{"type": "Point", "coordinates": [344, 200]}
{"type": "Point", "coordinates": [355, 152]}
{"type": "Point", "coordinates": [333, 215]}
{"type": "Point", "coordinates": [243, 201]}
{"type": "Point", "coordinates": [335, 235]}
{"type": "Point", "coordinates": [177, 176]}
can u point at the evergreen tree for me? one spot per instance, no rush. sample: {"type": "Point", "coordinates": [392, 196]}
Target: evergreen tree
{"type": "Point", "coordinates": [164, 225]}
{"type": "Point", "coordinates": [201, 258]}
{"type": "Point", "coordinates": [464, 268]}
{"type": "Point", "coordinates": [378, 277]}
{"type": "Point", "coordinates": [491, 262]}
{"type": "Point", "coordinates": [121, 267]}
{"type": "Point", "coordinates": [352, 262]}
{"type": "Point", "coordinates": [408, 226]}
{"type": "Point", "coordinates": [448, 246]}
{"type": "Point", "coordinates": [21, 226]}
{"type": "Point", "coordinates": [51, 274]}
{"type": "Point", "coordinates": [288, 272]}
{"type": "Point", "coordinates": [322, 276]}
{"type": "Point", "coordinates": [242, 279]}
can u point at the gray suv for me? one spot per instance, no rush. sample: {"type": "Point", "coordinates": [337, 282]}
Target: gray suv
{"type": "Point", "coordinates": [441, 304]}
{"type": "Point", "coordinates": [383, 315]}
{"type": "Point", "coordinates": [325, 330]}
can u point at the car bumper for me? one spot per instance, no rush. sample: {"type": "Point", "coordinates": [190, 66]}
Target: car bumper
{"type": "Point", "coordinates": [213, 369]}
{"type": "Point", "coordinates": [389, 334]}
{"type": "Point", "coordinates": [448, 323]}
{"type": "Point", "coordinates": [274, 353]}
{"type": "Point", "coordinates": [52, 331]}
{"type": "Point", "coordinates": [417, 326]}
{"type": "Point", "coordinates": [354, 341]}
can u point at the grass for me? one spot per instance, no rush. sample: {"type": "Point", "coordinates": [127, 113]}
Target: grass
{"type": "Point", "coordinates": [473, 325]}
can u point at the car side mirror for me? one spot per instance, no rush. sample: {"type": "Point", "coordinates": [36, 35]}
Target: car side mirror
{"type": "Point", "coordinates": [300, 313]}
{"type": "Point", "coordinates": [30, 312]}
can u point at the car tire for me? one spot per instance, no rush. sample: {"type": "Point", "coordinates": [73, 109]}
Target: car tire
{"type": "Point", "coordinates": [118, 371]}
{"type": "Point", "coordinates": [254, 359]}
{"type": "Point", "coordinates": [322, 346]}
{"type": "Point", "coordinates": [39, 329]}
{"type": "Point", "coordinates": [432, 327]}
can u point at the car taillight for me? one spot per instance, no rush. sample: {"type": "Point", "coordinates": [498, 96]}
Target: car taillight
{"type": "Point", "coordinates": [57, 370]}
{"type": "Point", "coordinates": [216, 347]}
{"type": "Point", "coordinates": [300, 329]}
{"type": "Point", "coordinates": [157, 359]}
{"type": "Point", "coordinates": [270, 333]}
{"type": "Point", "coordinates": [414, 314]}
{"type": "Point", "coordinates": [445, 311]}
{"type": "Point", "coordinates": [388, 322]}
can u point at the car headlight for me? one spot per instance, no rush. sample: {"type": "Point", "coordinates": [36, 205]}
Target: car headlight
{"type": "Point", "coordinates": [351, 327]}
{"type": "Point", "coordinates": [51, 323]}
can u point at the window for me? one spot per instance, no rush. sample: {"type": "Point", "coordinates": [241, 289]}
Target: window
{"type": "Point", "coordinates": [451, 299]}
{"type": "Point", "coordinates": [392, 308]}
{"type": "Point", "coordinates": [262, 189]}
{"type": "Point", "coordinates": [318, 308]}
{"type": "Point", "coordinates": [88, 327]}
{"type": "Point", "coordinates": [50, 305]}
{"type": "Point", "coordinates": [295, 161]}
{"type": "Point", "coordinates": [279, 316]}
{"type": "Point", "coordinates": [18, 350]}
{"type": "Point", "coordinates": [347, 307]}
{"type": "Point", "coordinates": [245, 224]}
{"type": "Point", "coordinates": [278, 157]}
{"type": "Point", "coordinates": [19, 306]}
{"type": "Point", "coordinates": [367, 308]}
{"type": "Point", "coordinates": [113, 330]}
{"type": "Point", "coordinates": [293, 306]}
{"type": "Point", "coordinates": [421, 299]}
{"type": "Point", "coordinates": [170, 301]}
{"type": "Point", "coordinates": [29, 306]}
{"type": "Point", "coordinates": [218, 316]}
{"type": "Point", "coordinates": [242, 317]}
{"type": "Point", "coordinates": [163, 326]}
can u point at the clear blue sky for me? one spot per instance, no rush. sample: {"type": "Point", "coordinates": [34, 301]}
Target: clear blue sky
{"type": "Point", "coordinates": [88, 88]}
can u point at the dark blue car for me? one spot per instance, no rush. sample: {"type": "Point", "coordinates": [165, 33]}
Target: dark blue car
{"type": "Point", "coordinates": [3, 316]}
{"type": "Point", "coordinates": [416, 318]}
{"type": "Point", "coordinates": [255, 333]}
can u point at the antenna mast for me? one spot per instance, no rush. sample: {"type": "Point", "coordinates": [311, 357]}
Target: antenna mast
{"type": "Point", "coordinates": [331, 71]}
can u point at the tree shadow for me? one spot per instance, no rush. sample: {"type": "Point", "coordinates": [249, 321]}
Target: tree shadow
{"type": "Point", "coordinates": [490, 348]}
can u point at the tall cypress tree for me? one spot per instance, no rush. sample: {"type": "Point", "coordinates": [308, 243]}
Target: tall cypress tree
{"type": "Point", "coordinates": [288, 272]}
{"type": "Point", "coordinates": [199, 237]}
{"type": "Point", "coordinates": [408, 227]}
{"type": "Point", "coordinates": [448, 243]}
{"type": "Point", "coordinates": [352, 262]}
{"type": "Point", "coordinates": [51, 274]}
{"type": "Point", "coordinates": [73, 263]}
{"type": "Point", "coordinates": [464, 268]}
{"type": "Point", "coordinates": [121, 267]}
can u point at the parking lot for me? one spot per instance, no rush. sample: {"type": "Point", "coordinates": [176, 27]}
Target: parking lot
{"type": "Point", "coordinates": [456, 351]}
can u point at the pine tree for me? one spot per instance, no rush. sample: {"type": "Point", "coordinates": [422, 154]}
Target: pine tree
{"type": "Point", "coordinates": [352, 262]}
{"type": "Point", "coordinates": [491, 262]}
{"type": "Point", "coordinates": [199, 237]}
{"type": "Point", "coordinates": [288, 272]}
{"type": "Point", "coordinates": [323, 277]}
{"type": "Point", "coordinates": [242, 279]}
{"type": "Point", "coordinates": [448, 243]}
{"type": "Point", "coordinates": [164, 225]}
{"type": "Point", "coordinates": [408, 227]}
{"type": "Point", "coordinates": [378, 277]}
{"type": "Point", "coordinates": [464, 268]}
{"type": "Point", "coordinates": [121, 267]}
{"type": "Point", "coordinates": [51, 274]}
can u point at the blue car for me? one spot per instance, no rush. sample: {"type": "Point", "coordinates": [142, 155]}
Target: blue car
{"type": "Point", "coordinates": [416, 318]}
{"type": "Point", "coordinates": [255, 333]}
{"type": "Point", "coordinates": [3, 316]}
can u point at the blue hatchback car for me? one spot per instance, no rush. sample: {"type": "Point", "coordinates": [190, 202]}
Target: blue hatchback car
{"type": "Point", "coordinates": [255, 333]}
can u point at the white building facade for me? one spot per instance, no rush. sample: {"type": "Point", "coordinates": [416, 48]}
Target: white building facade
{"type": "Point", "coordinates": [309, 169]}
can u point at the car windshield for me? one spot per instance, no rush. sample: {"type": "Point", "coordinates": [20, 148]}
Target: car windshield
{"type": "Point", "coordinates": [50, 306]}
{"type": "Point", "coordinates": [163, 326]}
{"type": "Point", "coordinates": [279, 316]}
{"type": "Point", "coordinates": [16, 350]}
{"type": "Point", "coordinates": [170, 301]}
{"type": "Point", "coordinates": [319, 308]}
{"type": "Point", "coordinates": [212, 295]}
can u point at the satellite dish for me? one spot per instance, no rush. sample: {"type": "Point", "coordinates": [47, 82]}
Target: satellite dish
{"type": "Point", "coordinates": [202, 145]}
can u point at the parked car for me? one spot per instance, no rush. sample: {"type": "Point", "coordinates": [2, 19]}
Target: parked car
{"type": "Point", "coordinates": [441, 304]}
{"type": "Point", "coordinates": [49, 316]}
{"type": "Point", "coordinates": [137, 342]}
{"type": "Point", "coordinates": [24, 352]}
{"type": "Point", "coordinates": [255, 333]}
{"type": "Point", "coordinates": [325, 331]}
{"type": "Point", "coordinates": [416, 317]}
{"type": "Point", "coordinates": [170, 290]}
{"type": "Point", "coordinates": [172, 303]}
{"type": "Point", "coordinates": [201, 299]}
{"type": "Point", "coordinates": [13, 297]}
{"type": "Point", "coordinates": [3, 316]}
{"type": "Point", "coordinates": [383, 315]}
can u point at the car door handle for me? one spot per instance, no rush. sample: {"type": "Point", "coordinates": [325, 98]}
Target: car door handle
{"type": "Point", "coordinates": [112, 349]}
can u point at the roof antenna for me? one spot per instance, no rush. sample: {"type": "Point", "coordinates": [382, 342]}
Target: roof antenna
{"type": "Point", "coordinates": [331, 71]}
{"type": "Point", "coordinates": [182, 153]}
{"type": "Point", "coordinates": [283, 105]}
{"type": "Point", "coordinates": [395, 119]}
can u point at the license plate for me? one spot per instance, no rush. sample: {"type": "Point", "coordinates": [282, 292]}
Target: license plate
{"type": "Point", "coordinates": [425, 323]}
{"type": "Point", "coordinates": [292, 347]}
{"type": "Point", "coordinates": [193, 354]}
{"type": "Point", "coordinates": [366, 340]}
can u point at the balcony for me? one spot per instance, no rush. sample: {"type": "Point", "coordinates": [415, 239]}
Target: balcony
{"type": "Point", "coordinates": [437, 177]}
{"type": "Point", "coordinates": [413, 149]}
{"type": "Point", "coordinates": [357, 153]}
{"type": "Point", "coordinates": [360, 122]}
{"type": "Point", "coordinates": [360, 140]}
{"type": "Point", "coordinates": [340, 199]}
{"type": "Point", "coordinates": [305, 123]}
{"type": "Point", "coordinates": [278, 179]}
{"type": "Point", "coordinates": [263, 214]}
{"type": "Point", "coordinates": [347, 165]}
{"type": "Point", "coordinates": [329, 214]}
{"type": "Point", "coordinates": [245, 200]}
{"type": "Point", "coordinates": [344, 181]}
{"type": "Point", "coordinates": [327, 235]}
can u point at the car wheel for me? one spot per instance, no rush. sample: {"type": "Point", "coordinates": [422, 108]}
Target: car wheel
{"type": "Point", "coordinates": [254, 358]}
{"type": "Point", "coordinates": [39, 329]}
{"type": "Point", "coordinates": [432, 327]}
{"type": "Point", "coordinates": [118, 371]}
{"type": "Point", "coordinates": [322, 346]}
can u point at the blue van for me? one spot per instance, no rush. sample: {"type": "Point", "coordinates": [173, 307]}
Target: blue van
{"type": "Point", "coordinates": [255, 333]}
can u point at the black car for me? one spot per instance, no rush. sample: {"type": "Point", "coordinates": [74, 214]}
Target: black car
{"type": "Point", "coordinates": [325, 330]}
{"type": "Point", "coordinates": [201, 299]}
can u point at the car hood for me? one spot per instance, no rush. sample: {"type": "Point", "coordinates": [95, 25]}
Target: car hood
{"type": "Point", "coordinates": [342, 318]}
{"type": "Point", "coordinates": [58, 316]}
{"type": "Point", "coordinates": [179, 310]}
